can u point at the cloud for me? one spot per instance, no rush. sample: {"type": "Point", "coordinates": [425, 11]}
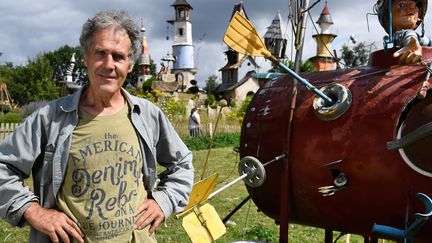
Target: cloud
{"type": "Point", "coordinates": [30, 27]}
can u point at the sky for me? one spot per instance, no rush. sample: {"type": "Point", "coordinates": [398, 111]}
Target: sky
{"type": "Point", "coordinates": [29, 27]}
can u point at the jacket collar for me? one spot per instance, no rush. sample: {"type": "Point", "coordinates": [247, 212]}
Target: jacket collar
{"type": "Point", "coordinates": [71, 103]}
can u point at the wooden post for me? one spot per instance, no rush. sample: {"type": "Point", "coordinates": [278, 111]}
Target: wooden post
{"type": "Point", "coordinates": [210, 129]}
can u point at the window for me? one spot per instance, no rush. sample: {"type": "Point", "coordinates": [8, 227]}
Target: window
{"type": "Point", "coordinates": [180, 31]}
{"type": "Point", "coordinates": [181, 13]}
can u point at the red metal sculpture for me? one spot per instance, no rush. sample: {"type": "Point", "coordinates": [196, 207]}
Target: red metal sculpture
{"type": "Point", "coordinates": [342, 173]}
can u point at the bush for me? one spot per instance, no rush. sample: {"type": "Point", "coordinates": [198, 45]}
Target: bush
{"type": "Point", "coordinates": [11, 117]}
{"type": "Point", "coordinates": [220, 141]}
{"type": "Point", "coordinates": [262, 233]}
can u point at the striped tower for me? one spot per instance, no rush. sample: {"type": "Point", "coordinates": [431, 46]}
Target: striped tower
{"type": "Point", "coordinates": [183, 49]}
{"type": "Point", "coordinates": [324, 60]}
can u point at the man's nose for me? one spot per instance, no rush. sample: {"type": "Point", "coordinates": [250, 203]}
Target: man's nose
{"type": "Point", "coordinates": [109, 62]}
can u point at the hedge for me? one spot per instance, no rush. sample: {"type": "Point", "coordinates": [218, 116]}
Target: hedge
{"type": "Point", "coordinates": [221, 140]}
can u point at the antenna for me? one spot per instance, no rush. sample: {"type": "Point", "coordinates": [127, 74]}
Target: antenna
{"type": "Point", "coordinates": [142, 25]}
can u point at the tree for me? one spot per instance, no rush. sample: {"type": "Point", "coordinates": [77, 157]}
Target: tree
{"type": "Point", "coordinates": [132, 77]}
{"type": "Point", "coordinates": [306, 66]}
{"type": "Point", "coordinates": [32, 82]}
{"type": "Point", "coordinates": [357, 55]}
{"type": "Point", "coordinates": [60, 61]}
{"type": "Point", "coordinates": [211, 84]}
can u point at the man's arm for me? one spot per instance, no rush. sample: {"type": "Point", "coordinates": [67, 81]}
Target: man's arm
{"type": "Point", "coordinates": [18, 153]}
{"type": "Point", "coordinates": [173, 190]}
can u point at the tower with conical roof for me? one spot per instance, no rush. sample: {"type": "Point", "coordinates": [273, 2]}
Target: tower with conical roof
{"type": "Point", "coordinates": [144, 61]}
{"type": "Point", "coordinates": [275, 38]}
{"type": "Point", "coordinates": [324, 59]}
{"type": "Point", "coordinates": [237, 75]}
{"type": "Point", "coordinates": [183, 49]}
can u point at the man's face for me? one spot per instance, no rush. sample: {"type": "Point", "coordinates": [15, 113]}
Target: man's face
{"type": "Point", "coordinates": [405, 14]}
{"type": "Point", "coordinates": [108, 61]}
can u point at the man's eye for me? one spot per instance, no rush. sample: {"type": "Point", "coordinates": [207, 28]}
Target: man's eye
{"type": "Point", "coordinates": [118, 58]}
{"type": "Point", "coordinates": [100, 53]}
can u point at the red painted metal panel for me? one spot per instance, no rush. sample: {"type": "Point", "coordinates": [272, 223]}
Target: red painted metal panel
{"type": "Point", "coordinates": [380, 183]}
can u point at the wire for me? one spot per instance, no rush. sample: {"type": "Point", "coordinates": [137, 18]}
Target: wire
{"type": "Point", "coordinates": [322, 42]}
{"type": "Point", "coordinates": [313, 5]}
{"type": "Point", "coordinates": [232, 171]}
{"type": "Point", "coordinates": [247, 218]}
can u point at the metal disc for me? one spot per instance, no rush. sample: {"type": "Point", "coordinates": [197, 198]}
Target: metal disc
{"type": "Point", "coordinates": [254, 169]}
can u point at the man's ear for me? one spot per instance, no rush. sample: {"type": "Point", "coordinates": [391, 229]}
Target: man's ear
{"type": "Point", "coordinates": [130, 68]}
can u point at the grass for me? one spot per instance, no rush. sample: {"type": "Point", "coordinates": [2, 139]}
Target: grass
{"type": "Point", "coordinates": [246, 224]}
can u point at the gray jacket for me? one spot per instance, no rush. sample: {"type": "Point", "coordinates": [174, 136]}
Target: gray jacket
{"type": "Point", "coordinates": [40, 145]}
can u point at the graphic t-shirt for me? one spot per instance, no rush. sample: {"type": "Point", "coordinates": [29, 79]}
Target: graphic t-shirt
{"type": "Point", "coordinates": [103, 185]}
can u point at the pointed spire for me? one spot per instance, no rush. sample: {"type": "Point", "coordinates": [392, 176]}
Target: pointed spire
{"type": "Point", "coordinates": [145, 53]}
{"type": "Point", "coordinates": [239, 7]}
{"type": "Point", "coordinates": [325, 16]}
{"type": "Point", "coordinates": [325, 20]}
{"type": "Point", "coordinates": [275, 38]}
{"type": "Point", "coordinates": [276, 30]}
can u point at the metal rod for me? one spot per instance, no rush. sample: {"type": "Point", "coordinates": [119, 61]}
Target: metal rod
{"type": "Point", "coordinates": [226, 186]}
{"type": "Point", "coordinates": [308, 85]}
{"type": "Point", "coordinates": [282, 156]}
{"type": "Point", "coordinates": [236, 209]}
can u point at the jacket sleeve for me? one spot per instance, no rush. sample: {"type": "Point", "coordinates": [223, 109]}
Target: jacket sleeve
{"type": "Point", "coordinates": [18, 153]}
{"type": "Point", "coordinates": [173, 190]}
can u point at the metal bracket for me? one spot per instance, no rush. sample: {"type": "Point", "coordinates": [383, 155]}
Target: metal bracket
{"type": "Point", "coordinates": [408, 232]}
{"type": "Point", "coordinates": [412, 137]}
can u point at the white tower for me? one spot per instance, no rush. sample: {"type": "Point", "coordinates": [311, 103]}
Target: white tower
{"type": "Point", "coordinates": [183, 49]}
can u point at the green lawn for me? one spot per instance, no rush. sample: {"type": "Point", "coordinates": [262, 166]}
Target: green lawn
{"type": "Point", "coordinates": [246, 224]}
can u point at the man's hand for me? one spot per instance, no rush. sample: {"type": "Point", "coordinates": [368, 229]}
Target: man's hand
{"type": "Point", "coordinates": [409, 54]}
{"type": "Point", "coordinates": [57, 225]}
{"type": "Point", "coordinates": [149, 212]}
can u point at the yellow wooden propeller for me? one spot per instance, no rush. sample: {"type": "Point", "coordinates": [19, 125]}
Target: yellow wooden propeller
{"type": "Point", "coordinates": [242, 36]}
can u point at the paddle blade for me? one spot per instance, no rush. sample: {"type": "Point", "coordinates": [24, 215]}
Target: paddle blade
{"type": "Point", "coordinates": [203, 225]}
{"type": "Point", "coordinates": [242, 36]}
{"type": "Point", "coordinates": [200, 191]}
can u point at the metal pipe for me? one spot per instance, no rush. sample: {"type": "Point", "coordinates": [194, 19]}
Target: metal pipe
{"type": "Point", "coordinates": [299, 53]}
{"type": "Point", "coordinates": [225, 220]}
{"type": "Point", "coordinates": [227, 185]}
{"type": "Point", "coordinates": [304, 82]}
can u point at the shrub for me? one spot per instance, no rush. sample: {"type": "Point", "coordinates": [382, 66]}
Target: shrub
{"type": "Point", "coordinates": [220, 141]}
{"type": "Point", "coordinates": [11, 117]}
{"type": "Point", "coordinates": [262, 233]}
{"type": "Point", "coordinates": [239, 112]}
{"type": "Point", "coordinates": [173, 108]}
{"type": "Point", "coordinates": [211, 99]}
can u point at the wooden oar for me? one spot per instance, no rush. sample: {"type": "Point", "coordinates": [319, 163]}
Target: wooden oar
{"type": "Point", "coordinates": [242, 36]}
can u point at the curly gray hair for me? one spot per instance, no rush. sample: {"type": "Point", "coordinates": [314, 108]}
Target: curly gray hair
{"type": "Point", "coordinates": [111, 18]}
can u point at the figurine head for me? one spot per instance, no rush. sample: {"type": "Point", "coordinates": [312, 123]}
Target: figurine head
{"type": "Point", "coordinates": [406, 14]}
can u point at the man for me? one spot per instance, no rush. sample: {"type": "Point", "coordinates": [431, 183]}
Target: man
{"type": "Point", "coordinates": [93, 154]}
{"type": "Point", "coordinates": [407, 15]}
